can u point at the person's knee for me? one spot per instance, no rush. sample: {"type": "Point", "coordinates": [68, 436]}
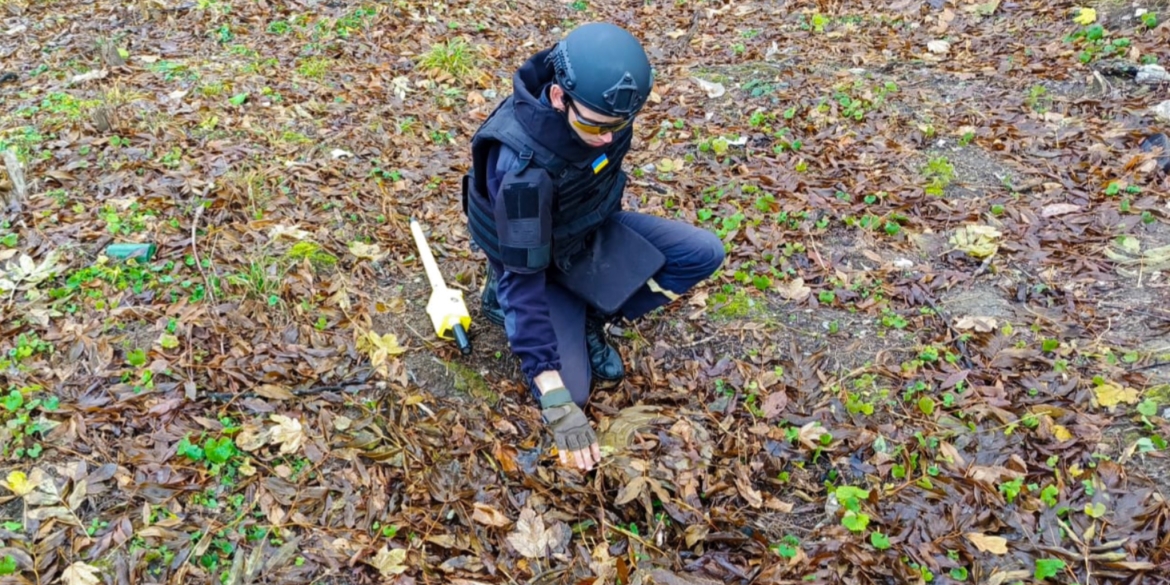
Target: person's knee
{"type": "Point", "coordinates": [708, 254]}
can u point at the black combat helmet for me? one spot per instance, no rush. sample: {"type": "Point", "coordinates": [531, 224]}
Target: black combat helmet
{"type": "Point", "coordinates": [605, 68]}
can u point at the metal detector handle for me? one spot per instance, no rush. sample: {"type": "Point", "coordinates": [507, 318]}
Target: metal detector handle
{"type": "Point", "coordinates": [461, 339]}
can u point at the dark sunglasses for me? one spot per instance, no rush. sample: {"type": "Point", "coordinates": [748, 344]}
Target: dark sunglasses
{"type": "Point", "coordinates": [591, 127]}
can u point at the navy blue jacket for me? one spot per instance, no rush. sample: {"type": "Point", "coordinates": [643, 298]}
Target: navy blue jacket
{"type": "Point", "coordinates": [530, 332]}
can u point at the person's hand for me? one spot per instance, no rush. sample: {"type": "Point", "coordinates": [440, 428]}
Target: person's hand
{"type": "Point", "coordinates": [575, 439]}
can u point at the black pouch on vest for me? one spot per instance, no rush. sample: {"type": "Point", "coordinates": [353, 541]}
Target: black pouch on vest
{"type": "Point", "coordinates": [616, 263]}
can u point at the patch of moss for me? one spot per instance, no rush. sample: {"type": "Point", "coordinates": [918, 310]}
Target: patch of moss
{"type": "Point", "coordinates": [471, 382]}
{"type": "Point", "coordinates": [1159, 394]}
{"type": "Point", "coordinates": [312, 251]}
{"type": "Point", "coordinates": [737, 305]}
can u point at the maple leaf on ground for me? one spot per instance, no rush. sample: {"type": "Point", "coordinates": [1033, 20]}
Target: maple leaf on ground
{"type": "Point", "coordinates": [794, 290]}
{"type": "Point", "coordinates": [532, 540]}
{"type": "Point", "coordinates": [80, 573]}
{"type": "Point", "coordinates": [389, 562]}
{"type": "Point", "coordinates": [980, 324]}
{"type": "Point", "coordinates": [1109, 395]}
{"type": "Point", "coordinates": [380, 348]}
{"type": "Point", "coordinates": [288, 432]}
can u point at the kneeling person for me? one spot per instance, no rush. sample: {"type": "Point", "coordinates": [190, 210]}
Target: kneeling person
{"type": "Point", "coordinates": [544, 203]}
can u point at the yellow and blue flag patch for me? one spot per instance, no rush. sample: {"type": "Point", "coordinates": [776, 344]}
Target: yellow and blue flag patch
{"type": "Point", "coordinates": [600, 163]}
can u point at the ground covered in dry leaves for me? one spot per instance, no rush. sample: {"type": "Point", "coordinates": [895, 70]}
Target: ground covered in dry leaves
{"type": "Point", "coordinates": [937, 352]}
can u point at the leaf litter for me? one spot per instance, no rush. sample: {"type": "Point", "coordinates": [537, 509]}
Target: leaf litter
{"type": "Point", "coordinates": [260, 401]}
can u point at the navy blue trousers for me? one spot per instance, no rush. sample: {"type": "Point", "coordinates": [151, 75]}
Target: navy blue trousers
{"type": "Point", "coordinates": [692, 255]}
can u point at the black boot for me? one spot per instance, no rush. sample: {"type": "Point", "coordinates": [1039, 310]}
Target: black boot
{"type": "Point", "coordinates": [489, 302]}
{"type": "Point", "coordinates": [604, 360]}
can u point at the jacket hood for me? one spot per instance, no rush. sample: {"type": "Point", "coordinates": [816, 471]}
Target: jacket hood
{"type": "Point", "coordinates": [546, 125]}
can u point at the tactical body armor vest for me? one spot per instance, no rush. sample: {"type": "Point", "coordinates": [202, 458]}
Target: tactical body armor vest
{"type": "Point", "coordinates": [583, 195]}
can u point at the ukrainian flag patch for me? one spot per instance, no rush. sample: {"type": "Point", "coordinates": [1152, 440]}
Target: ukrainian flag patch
{"type": "Point", "coordinates": [600, 163]}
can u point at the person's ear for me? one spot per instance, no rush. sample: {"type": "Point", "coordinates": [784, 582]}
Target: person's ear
{"type": "Point", "coordinates": [556, 96]}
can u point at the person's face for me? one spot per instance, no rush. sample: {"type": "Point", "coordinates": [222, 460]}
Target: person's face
{"type": "Point", "coordinates": [594, 128]}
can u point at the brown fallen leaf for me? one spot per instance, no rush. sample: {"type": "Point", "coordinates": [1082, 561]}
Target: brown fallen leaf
{"type": "Point", "coordinates": [744, 483]}
{"type": "Point", "coordinates": [252, 437]}
{"type": "Point", "coordinates": [992, 474]}
{"type": "Point", "coordinates": [695, 533]}
{"type": "Point", "coordinates": [775, 404]}
{"type": "Point", "coordinates": [485, 514]}
{"type": "Point", "coordinates": [1008, 577]}
{"type": "Point", "coordinates": [665, 577]}
{"type": "Point", "coordinates": [779, 505]}
{"type": "Point", "coordinates": [274, 392]}
{"type": "Point", "coordinates": [1055, 209]}
{"type": "Point", "coordinates": [630, 491]}
{"type": "Point", "coordinates": [953, 458]}
{"type": "Point", "coordinates": [992, 544]}
{"type": "Point", "coordinates": [1133, 565]}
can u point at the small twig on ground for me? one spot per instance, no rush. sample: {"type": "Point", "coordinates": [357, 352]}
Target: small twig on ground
{"type": "Point", "coordinates": [1150, 367]}
{"type": "Point", "coordinates": [696, 342]}
{"type": "Point", "coordinates": [195, 252]}
{"type": "Point", "coordinates": [546, 574]}
{"type": "Point", "coordinates": [629, 534]}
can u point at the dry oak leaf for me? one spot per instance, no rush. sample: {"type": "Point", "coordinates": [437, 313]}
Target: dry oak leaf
{"type": "Point", "coordinates": [992, 544]}
{"type": "Point", "coordinates": [80, 573]}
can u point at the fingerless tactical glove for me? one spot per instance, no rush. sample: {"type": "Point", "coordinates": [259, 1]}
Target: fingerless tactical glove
{"type": "Point", "coordinates": [568, 424]}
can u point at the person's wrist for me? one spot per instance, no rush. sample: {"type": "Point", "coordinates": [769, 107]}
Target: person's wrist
{"type": "Point", "coordinates": [548, 381]}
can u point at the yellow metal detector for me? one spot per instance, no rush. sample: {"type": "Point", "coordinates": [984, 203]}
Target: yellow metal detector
{"type": "Point", "coordinates": [447, 310]}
